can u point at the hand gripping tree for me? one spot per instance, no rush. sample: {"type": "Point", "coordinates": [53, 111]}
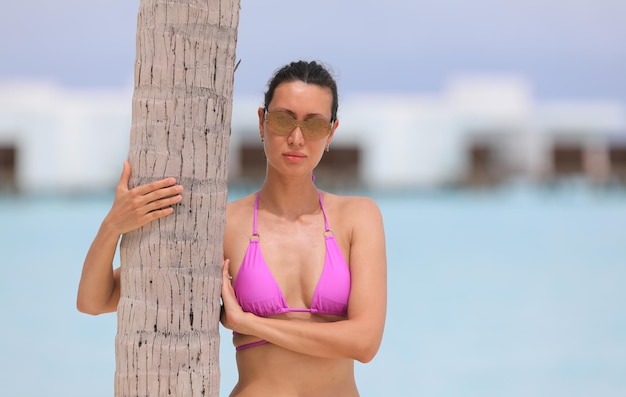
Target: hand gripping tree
{"type": "Point", "coordinates": [167, 341]}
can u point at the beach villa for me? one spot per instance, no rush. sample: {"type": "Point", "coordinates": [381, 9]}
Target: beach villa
{"type": "Point", "coordinates": [478, 131]}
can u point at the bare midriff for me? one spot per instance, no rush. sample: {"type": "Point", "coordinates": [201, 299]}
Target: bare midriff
{"type": "Point", "coordinates": [270, 370]}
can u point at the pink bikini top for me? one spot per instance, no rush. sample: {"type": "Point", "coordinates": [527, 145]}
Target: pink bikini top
{"type": "Point", "coordinates": [257, 291]}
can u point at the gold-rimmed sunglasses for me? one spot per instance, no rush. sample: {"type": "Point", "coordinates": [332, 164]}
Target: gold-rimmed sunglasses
{"type": "Point", "coordinates": [281, 123]}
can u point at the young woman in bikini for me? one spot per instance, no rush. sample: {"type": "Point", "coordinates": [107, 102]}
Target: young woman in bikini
{"type": "Point", "coordinates": [304, 276]}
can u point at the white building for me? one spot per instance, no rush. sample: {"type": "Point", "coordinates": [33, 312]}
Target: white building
{"type": "Point", "coordinates": [54, 139]}
{"type": "Point", "coordinates": [479, 130]}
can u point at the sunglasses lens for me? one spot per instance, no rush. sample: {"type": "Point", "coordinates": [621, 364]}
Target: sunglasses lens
{"type": "Point", "coordinates": [315, 128]}
{"type": "Point", "coordinates": [282, 124]}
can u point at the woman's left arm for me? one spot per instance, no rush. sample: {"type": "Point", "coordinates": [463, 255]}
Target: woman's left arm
{"type": "Point", "coordinates": [359, 335]}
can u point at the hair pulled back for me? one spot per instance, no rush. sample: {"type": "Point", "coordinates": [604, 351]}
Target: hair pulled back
{"type": "Point", "coordinates": [307, 72]}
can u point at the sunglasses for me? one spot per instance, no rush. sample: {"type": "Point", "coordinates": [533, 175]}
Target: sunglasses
{"type": "Point", "coordinates": [281, 123]}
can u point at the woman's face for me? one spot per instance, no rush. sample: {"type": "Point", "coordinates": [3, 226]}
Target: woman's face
{"type": "Point", "coordinates": [295, 152]}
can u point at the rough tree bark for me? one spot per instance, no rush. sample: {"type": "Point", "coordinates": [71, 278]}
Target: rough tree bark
{"type": "Point", "coordinates": [167, 341]}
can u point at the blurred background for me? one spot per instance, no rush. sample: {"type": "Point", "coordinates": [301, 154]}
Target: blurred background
{"type": "Point", "coordinates": [492, 134]}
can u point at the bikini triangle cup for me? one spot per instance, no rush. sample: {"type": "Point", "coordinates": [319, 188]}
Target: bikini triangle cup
{"type": "Point", "coordinates": [258, 292]}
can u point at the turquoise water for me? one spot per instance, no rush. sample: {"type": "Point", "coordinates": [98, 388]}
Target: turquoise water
{"type": "Point", "coordinates": [512, 292]}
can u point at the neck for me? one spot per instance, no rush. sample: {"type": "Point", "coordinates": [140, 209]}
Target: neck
{"type": "Point", "coordinates": [291, 197]}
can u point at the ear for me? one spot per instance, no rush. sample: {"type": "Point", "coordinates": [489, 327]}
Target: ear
{"type": "Point", "coordinates": [329, 138]}
{"type": "Point", "coordinates": [261, 113]}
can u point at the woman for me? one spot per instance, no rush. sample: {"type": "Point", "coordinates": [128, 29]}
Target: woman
{"type": "Point", "coordinates": [304, 279]}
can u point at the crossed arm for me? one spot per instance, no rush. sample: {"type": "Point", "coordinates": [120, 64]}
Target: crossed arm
{"type": "Point", "coordinates": [359, 335]}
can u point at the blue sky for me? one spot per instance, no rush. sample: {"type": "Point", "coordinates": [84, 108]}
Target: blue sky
{"type": "Point", "coordinates": [565, 48]}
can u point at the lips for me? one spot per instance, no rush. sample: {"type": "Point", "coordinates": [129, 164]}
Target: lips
{"type": "Point", "coordinates": [294, 156]}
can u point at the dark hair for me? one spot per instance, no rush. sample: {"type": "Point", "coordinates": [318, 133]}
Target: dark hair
{"type": "Point", "coordinates": [307, 72]}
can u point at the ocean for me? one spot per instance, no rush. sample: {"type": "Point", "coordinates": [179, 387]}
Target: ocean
{"type": "Point", "coordinates": [515, 291]}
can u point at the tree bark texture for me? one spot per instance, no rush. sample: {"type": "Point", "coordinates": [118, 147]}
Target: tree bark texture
{"type": "Point", "coordinates": [167, 341]}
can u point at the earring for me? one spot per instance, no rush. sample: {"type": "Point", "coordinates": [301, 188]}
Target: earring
{"type": "Point", "coordinates": [327, 148]}
{"type": "Point", "coordinates": [262, 140]}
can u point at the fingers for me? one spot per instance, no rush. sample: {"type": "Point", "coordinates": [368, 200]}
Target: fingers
{"type": "Point", "coordinates": [133, 208]}
{"type": "Point", "coordinates": [229, 302]}
{"type": "Point", "coordinates": [157, 186]}
{"type": "Point", "coordinates": [148, 188]}
{"type": "Point", "coordinates": [125, 177]}
{"type": "Point", "coordinates": [156, 214]}
{"type": "Point", "coordinates": [163, 198]}
{"type": "Point", "coordinates": [226, 277]}
{"type": "Point", "coordinates": [154, 195]}
{"type": "Point", "coordinates": [165, 191]}
{"type": "Point", "coordinates": [228, 294]}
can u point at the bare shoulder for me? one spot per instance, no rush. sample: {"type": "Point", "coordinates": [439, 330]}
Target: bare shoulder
{"type": "Point", "coordinates": [239, 214]}
{"type": "Point", "coordinates": [239, 207]}
{"type": "Point", "coordinates": [351, 203]}
{"type": "Point", "coordinates": [358, 227]}
{"type": "Point", "coordinates": [359, 210]}
{"type": "Point", "coordinates": [238, 226]}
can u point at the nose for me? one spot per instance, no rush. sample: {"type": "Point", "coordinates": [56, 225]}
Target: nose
{"type": "Point", "coordinates": [296, 137]}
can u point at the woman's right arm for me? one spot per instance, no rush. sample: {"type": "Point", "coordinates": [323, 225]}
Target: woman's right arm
{"type": "Point", "coordinates": [99, 288]}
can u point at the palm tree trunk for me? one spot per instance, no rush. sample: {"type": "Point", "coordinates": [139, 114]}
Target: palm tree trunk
{"type": "Point", "coordinates": [167, 341]}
